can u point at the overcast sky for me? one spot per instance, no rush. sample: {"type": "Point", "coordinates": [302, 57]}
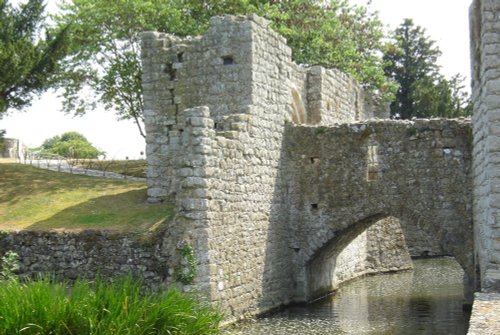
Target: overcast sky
{"type": "Point", "coordinates": [445, 21]}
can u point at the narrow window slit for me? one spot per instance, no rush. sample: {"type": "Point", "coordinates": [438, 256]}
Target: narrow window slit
{"type": "Point", "coordinates": [172, 96]}
{"type": "Point", "coordinates": [169, 69]}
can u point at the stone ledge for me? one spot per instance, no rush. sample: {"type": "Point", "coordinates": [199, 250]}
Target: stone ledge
{"type": "Point", "coordinates": [485, 318]}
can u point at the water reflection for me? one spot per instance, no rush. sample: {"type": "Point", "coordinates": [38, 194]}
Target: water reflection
{"type": "Point", "coordinates": [427, 300]}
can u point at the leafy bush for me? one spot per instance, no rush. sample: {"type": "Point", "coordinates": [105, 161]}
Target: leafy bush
{"type": "Point", "coordinates": [43, 307]}
{"type": "Point", "coordinates": [70, 145]}
{"type": "Point", "coordinates": [10, 266]}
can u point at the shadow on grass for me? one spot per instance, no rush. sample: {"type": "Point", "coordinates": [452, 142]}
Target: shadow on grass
{"type": "Point", "coordinates": [17, 182]}
{"type": "Point", "coordinates": [125, 211]}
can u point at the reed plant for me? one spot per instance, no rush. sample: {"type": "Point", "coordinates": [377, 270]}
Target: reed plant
{"type": "Point", "coordinates": [100, 307]}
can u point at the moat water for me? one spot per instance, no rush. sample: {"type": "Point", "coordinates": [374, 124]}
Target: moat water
{"type": "Point", "coordinates": [427, 300]}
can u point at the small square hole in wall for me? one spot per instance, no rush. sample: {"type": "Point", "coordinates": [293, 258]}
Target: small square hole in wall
{"type": "Point", "coordinates": [315, 160]}
{"type": "Point", "coordinates": [227, 60]}
{"type": "Point", "coordinates": [314, 206]}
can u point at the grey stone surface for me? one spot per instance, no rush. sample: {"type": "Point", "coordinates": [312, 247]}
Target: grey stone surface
{"type": "Point", "coordinates": [485, 44]}
{"type": "Point", "coordinates": [485, 318]}
{"type": "Point", "coordinates": [269, 163]}
{"type": "Point", "coordinates": [88, 253]}
{"type": "Point", "coordinates": [284, 181]}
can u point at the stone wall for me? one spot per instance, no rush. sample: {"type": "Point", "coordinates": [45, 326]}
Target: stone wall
{"type": "Point", "coordinates": [9, 148]}
{"type": "Point", "coordinates": [485, 49]}
{"type": "Point", "coordinates": [259, 198]}
{"type": "Point", "coordinates": [341, 177]}
{"type": "Point", "coordinates": [238, 67]}
{"type": "Point", "coordinates": [221, 163]}
{"type": "Point", "coordinates": [88, 253]}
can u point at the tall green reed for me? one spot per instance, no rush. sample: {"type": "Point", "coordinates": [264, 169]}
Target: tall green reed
{"type": "Point", "coordinates": [43, 307]}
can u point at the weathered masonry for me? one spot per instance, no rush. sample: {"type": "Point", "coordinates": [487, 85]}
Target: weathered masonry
{"type": "Point", "coordinates": [290, 180]}
{"type": "Point", "coordinates": [485, 71]}
{"type": "Point", "coordinates": [485, 56]}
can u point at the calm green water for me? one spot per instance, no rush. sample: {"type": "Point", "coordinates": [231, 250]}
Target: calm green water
{"type": "Point", "coordinates": [425, 301]}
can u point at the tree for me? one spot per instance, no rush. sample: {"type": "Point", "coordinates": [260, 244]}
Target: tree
{"type": "Point", "coordinates": [411, 60]}
{"type": "Point", "coordinates": [335, 35]}
{"type": "Point", "coordinates": [70, 145]}
{"type": "Point", "coordinates": [104, 65]}
{"type": "Point", "coordinates": [2, 135]}
{"type": "Point", "coordinates": [27, 59]}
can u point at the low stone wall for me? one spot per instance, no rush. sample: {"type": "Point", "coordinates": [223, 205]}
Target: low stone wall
{"type": "Point", "coordinates": [485, 318]}
{"type": "Point", "coordinates": [88, 253]}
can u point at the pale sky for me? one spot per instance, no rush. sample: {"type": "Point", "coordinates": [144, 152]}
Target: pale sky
{"type": "Point", "coordinates": [445, 21]}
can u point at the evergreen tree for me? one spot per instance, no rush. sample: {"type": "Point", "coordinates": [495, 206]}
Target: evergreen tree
{"type": "Point", "coordinates": [411, 60]}
{"type": "Point", "coordinates": [27, 59]}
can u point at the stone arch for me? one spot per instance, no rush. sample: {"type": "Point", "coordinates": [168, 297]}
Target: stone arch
{"type": "Point", "coordinates": [372, 245]}
{"type": "Point", "coordinates": [456, 242]}
{"type": "Point", "coordinates": [385, 249]}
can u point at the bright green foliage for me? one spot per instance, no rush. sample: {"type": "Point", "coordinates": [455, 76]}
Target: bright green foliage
{"type": "Point", "coordinates": [105, 51]}
{"type": "Point", "coordinates": [439, 97]}
{"type": "Point", "coordinates": [10, 265]}
{"type": "Point", "coordinates": [43, 307]}
{"type": "Point", "coordinates": [186, 272]}
{"type": "Point", "coordinates": [411, 60]}
{"type": "Point", "coordinates": [70, 145]}
{"type": "Point", "coordinates": [335, 35]}
{"type": "Point", "coordinates": [27, 59]}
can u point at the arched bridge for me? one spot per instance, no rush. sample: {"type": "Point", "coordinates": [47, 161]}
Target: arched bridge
{"type": "Point", "coordinates": [364, 197]}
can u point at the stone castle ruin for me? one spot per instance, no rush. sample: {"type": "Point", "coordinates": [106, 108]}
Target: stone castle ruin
{"type": "Point", "coordinates": [289, 180]}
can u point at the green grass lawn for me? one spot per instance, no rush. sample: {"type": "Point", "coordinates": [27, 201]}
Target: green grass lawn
{"type": "Point", "coordinates": [37, 199]}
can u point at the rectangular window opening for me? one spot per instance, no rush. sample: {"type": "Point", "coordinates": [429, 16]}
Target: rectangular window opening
{"type": "Point", "coordinates": [227, 60]}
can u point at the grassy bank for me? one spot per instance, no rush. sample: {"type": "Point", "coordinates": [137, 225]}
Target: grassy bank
{"type": "Point", "coordinates": [94, 308]}
{"type": "Point", "coordinates": [37, 199]}
{"type": "Point", "coordinates": [134, 168]}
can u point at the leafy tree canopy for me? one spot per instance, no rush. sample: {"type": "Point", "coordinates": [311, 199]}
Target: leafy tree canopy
{"type": "Point", "coordinates": [70, 145]}
{"type": "Point", "coordinates": [29, 53]}
{"type": "Point", "coordinates": [104, 65]}
{"type": "Point", "coordinates": [411, 60]}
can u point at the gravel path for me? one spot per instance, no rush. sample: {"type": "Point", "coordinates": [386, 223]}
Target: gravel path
{"type": "Point", "coordinates": [63, 166]}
